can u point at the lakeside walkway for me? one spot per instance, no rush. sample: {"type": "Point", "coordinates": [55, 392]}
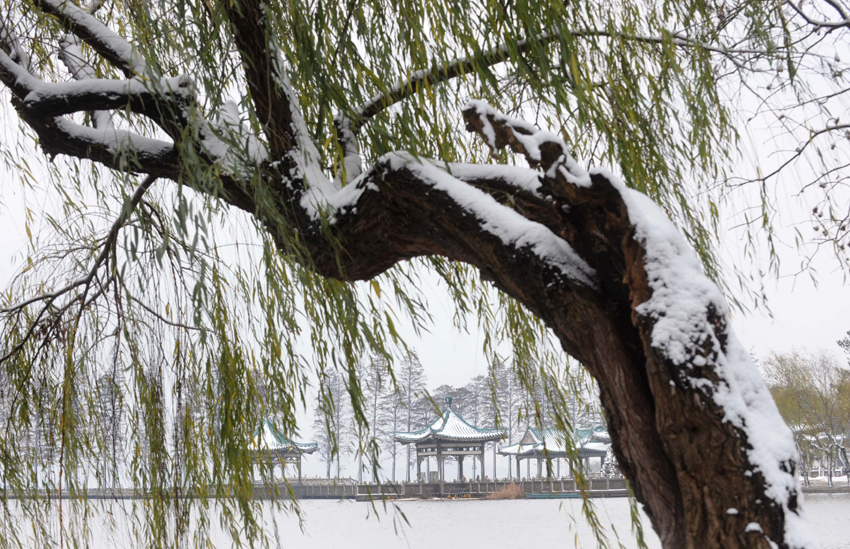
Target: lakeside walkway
{"type": "Point", "coordinates": [533, 489]}
{"type": "Point", "coordinates": [613, 487]}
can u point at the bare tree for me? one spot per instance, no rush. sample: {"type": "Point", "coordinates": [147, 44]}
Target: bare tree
{"type": "Point", "coordinates": [392, 414]}
{"type": "Point", "coordinates": [812, 392]}
{"type": "Point", "coordinates": [478, 391]}
{"type": "Point", "coordinates": [331, 421]}
{"type": "Point", "coordinates": [412, 381]}
{"type": "Point", "coordinates": [372, 387]}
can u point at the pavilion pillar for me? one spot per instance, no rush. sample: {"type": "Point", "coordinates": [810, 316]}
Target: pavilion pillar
{"type": "Point", "coordinates": [494, 462]}
{"type": "Point", "coordinates": [518, 473]}
{"type": "Point", "coordinates": [539, 468]}
{"type": "Point", "coordinates": [418, 466]}
{"type": "Point", "coordinates": [439, 464]}
{"type": "Point", "coordinates": [460, 467]}
{"type": "Point", "coordinates": [528, 468]}
{"type": "Point", "coordinates": [558, 465]}
{"type": "Point", "coordinates": [482, 460]}
{"type": "Point", "coordinates": [299, 469]}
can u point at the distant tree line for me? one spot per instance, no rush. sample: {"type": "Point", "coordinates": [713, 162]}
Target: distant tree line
{"type": "Point", "coordinates": [812, 392]}
{"type": "Point", "coordinates": [152, 429]}
{"type": "Point", "coordinates": [401, 402]}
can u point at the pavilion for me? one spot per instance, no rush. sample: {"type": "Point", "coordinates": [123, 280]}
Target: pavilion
{"type": "Point", "coordinates": [449, 436]}
{"type": "Point", "coordinates": [275, 449]}
{"type": "Point", "coordinates": [551, 444]}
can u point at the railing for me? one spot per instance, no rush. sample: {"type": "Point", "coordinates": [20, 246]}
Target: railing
{"type": "Point", "coordinates": [307, 491]}
{"type": "Point", "coordinates": [599, 487]}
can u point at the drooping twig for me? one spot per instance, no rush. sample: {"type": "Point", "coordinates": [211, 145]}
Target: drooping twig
{"type": "Point", "coordinates": [107, 246]}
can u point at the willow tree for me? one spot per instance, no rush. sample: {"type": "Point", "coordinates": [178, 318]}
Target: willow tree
{"type": "Point", "coordinates": [350, 140]}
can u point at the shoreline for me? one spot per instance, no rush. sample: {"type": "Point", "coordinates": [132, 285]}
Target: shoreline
{"type": "Point", "coordinates": [823, 489]}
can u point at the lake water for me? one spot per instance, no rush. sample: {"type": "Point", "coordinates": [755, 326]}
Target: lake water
{"type": "Point", "coordinates": [472, 524]}
{"type": "Point", "coordinates": [495, 524]}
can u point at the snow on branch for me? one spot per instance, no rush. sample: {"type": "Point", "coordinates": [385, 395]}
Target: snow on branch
{"type": "Point", "coordinates": [349, 126]}
{"type": "Point", "coordinates": [40, 103]}
{"type": "Point", "coordinates": [15, 76]}
{"type": "Point", "coordinates": [511, 227]}
{"type": "Point", "coordinates": [843, 22]}
{"type": "Point", "coordinates": [11, 45]}
{"type": "Point", "coordinates": [169, 102]}
{"type": "Point", "coordinates": [265, 74]}
{"type": "Point", "coordinates": [104, 41]}
{"type": "Point", "coordinates": [690, 328]}
{"type": "Point", "coordinates": [540, 147]}
{"type": "Point", "coordinates": [684, 313]}
{"type": "Point", "coordinates": [140, 96]}
{"type": "Point", "coordinates": [71, 54]}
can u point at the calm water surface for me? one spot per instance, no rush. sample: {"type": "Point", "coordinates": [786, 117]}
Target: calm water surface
{"type": "Point", "coordinates": [518, 523]}
{"type": "Point", "coordinates": [466, 524]}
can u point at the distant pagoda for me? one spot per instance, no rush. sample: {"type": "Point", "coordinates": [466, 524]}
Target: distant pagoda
{"type": "Point", "coordinates": [543, 444]}
{"type": "Point", "coordinates": [270, 446]}
{"type": "Point", "coordinates": [449, 435]}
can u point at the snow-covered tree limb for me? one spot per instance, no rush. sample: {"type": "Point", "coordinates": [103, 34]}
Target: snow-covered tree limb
{"type": "Point", "coordinates": [264, 74]}
{"type": "Point", "coordinates": [101, 38]}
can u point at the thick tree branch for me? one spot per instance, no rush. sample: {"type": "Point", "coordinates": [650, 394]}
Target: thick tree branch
{"type": "Point", "coordinates": [104, 41]}
{"type": "Point", "coordinates": [702, 368]}
{"type": "Point", "coordinates": [263, 72]}
{"type": "Point", "coordinates": [116, 149]}
{"type": "Point", "coordinates": [140, 97]}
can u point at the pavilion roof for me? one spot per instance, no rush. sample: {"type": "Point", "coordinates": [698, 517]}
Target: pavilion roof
{"type": "Point", "coordinates": [450, 427]}
{"type": "Point", "coordinates": [268, 437]}
{"type": "Point", "coordinates": [553, 441]}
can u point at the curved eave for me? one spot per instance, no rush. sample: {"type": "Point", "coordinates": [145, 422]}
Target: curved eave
{"type": "Point", "coordinates": [287, 450]}
{"type": "Point", "coordinates": [409, 438]}
{"type": "Point", "coordinates": [529, 450]}
{"type": "Point", "coordinates": [480, 438]}
{"type": "Point", "coordinates": [437, 437]}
